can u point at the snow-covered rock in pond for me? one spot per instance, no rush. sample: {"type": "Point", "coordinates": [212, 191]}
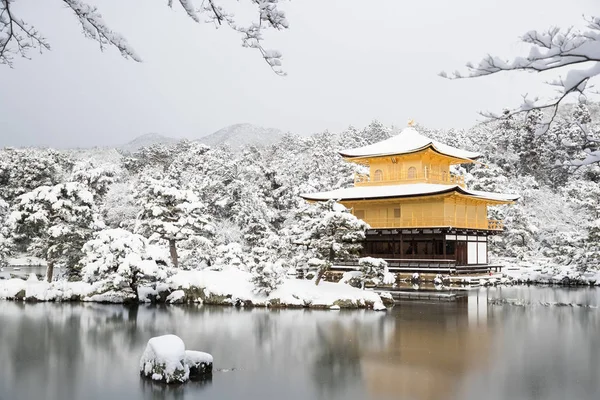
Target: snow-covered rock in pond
{"type": "Point", "coordinates": [416, 277]}
{"type": "Point", "coordinates": [164, 360]}
{"type": "Point", "coordinates": [199, 363]}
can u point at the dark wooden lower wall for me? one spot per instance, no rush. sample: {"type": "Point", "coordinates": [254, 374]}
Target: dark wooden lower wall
{"type": "Point", "coordinates": [444, 244]}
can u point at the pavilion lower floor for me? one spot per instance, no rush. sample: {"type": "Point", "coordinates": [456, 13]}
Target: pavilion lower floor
{"type": "Point", "coordinates": [435, 250]}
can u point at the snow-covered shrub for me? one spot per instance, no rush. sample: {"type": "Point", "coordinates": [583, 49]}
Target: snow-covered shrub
{"type": "Point", "coordinates": [121, 261]}
{"type": "Point", "coordinates": [267, 276]}
{"type": "Point", "coordinates": [231, 254]}
{"type": "Point", "coordinates": [196, 252]}
{"type": "Point", "coordinates": [97, 179]}
{"type": "Point", "coordinates": [373, 269]}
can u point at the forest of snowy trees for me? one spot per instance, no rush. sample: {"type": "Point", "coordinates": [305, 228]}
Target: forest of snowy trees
{"type": "Point", "coordinates": [126, 220]}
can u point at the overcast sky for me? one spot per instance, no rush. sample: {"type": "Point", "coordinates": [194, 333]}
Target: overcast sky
{"type": "Point", "coordinates": [348, 62]}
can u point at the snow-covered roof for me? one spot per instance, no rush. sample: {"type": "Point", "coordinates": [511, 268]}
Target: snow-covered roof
{"type": "Point", "coordinates": [407, 141]}
{"type": "Point", "coordinates": [406, 190]}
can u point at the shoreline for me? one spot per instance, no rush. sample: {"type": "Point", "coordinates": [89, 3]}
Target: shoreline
{"type": "Point", "coordinates": [229, 287]}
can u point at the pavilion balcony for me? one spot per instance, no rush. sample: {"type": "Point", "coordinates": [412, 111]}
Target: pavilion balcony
{"type": "Point", "coordinates": [435, 222]}
{"type": "Point", "coordinates": [417, 177]}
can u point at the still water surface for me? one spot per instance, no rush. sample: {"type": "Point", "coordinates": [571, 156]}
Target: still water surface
{"type": "Point", "coordinates": [420, 351]}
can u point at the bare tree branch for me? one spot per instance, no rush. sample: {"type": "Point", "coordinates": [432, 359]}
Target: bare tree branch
{"type": "Point", "coordinates": [15, 32]}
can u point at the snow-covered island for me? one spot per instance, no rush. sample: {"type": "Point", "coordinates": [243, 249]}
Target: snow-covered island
{"type": "Point", "coordinates": [165, 359]}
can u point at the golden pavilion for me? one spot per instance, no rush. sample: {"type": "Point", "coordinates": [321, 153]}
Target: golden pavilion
{"type": "Point", "coordinates": [421, 215]}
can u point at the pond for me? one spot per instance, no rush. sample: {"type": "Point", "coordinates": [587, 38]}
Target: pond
{"type": "Point", "coordinates": [538, 349]}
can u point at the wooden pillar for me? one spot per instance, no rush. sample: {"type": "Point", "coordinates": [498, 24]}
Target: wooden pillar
{"type": "Point", "coordinates": [444, 236]}
{"type": "Point", "coordinates": [401, 245]}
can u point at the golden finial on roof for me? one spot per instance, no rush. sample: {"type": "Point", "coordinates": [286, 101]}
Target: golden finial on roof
{"type": "Point", "coordinates": [411, 122]}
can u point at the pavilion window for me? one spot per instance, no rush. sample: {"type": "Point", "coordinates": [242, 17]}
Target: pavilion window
{"type": "Point", "coordinates": [444, 176]}
{"type": "Point", "coordinates": [412, 173]}
{"type": "Point", "coordinates": [396, 213]}
{"type": "Point", "coordinates": [360, 214]}
{"type": "Point", "coordinates": [378, 175]}
{"type": "Point", "coordinates": [450, 248]}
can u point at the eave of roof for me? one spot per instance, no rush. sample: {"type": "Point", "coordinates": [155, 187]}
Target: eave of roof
{"type": "Point", "coordinates": [404, 191]}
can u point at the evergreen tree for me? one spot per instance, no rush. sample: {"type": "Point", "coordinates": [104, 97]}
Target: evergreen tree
{"type": "Point", "coordinates": [118, 260]}
{"type": "Point", "coordinates": [329, 232]}
{"type": "Point", "coordinates": [53, 222]}
{"type": "Point", "coordinates": [23, 170]}
{"type": "Point", "coordinates": [525, 144]}
{"type": "Point", "coordinates": [171, 213]}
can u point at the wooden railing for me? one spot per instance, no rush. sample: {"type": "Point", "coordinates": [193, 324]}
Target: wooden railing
{"type": "Point", "coordinates": [417, 177]}
{"type": "Point", "coordinates": [434, 222]}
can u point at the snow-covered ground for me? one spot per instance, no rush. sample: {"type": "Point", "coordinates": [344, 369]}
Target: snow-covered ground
{"type": "Point", "coordinates": [229, 286]}
{"type": "Point", "coordinates": [544, 271]}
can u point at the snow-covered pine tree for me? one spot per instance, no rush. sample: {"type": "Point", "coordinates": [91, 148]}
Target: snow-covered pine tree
{"type": "Point", "coordinates": [23, 170]}
{"type": "Point", "coordinates": [98, 179]}
{"type": "Point", "coordinates": [4, 232]}
{"type": "Point", "coordinates": [376, 132]}
{"type": "Point", "coordinates": [120, 261]}
{"type": "Point", "coordinates": [373, 269]}
{"type": "Point", "coordinates": [330, 232]}
{"type": "Point", "coordinates": [53, 223]}
{"type": "Point", "coordinates": [591, 255]}
{"type": "Point", "coordinates": [171, 213]}
{"type": "Point", "coordinates": [525, 144]}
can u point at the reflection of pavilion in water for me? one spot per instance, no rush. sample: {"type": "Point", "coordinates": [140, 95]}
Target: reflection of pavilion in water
{"type": "Point", "coordinates": [431, 349]}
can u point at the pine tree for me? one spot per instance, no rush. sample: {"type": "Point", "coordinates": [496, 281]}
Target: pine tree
{"type": "Point", "coordinates": [171, 213]}
{"type": "Point", "coordinates": [525, 144]}
{"type": "Point", "coordinates": [53, 222]}
{"type": "Point", "coordinates": [329, 232]}
{"type": "Point", "coordinates": [591, 259]}
{"type": "Point", "coordinates": [373, 269]}
{"type": "Point", "coordinates": [118, 260]}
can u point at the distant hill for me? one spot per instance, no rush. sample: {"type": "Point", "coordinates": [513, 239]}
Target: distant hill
{"type": "Point", "coordinates": [239, 135]}
{"type": "Point", "coordinates": [147, 140]}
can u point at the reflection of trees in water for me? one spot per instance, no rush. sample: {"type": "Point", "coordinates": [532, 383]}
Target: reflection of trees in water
{"type": "Point", "coordinates": [73, 349]}
{"type": "Point", "coordinates": [337, 358]}
{"type": "Point", "coordinates": [42, 347]}
{"type": "Point", "coordinates": [338, 349]}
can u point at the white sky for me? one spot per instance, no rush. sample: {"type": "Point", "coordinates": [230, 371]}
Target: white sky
{"type": "Point", "coordinates": [348, 62]}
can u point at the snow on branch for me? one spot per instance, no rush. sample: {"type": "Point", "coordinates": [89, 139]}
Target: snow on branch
{"type": "Point", "coordinates": [554, 49]}
{"type": "Point", "coordinates": [269, 16]}
{"type": "Point", "coordinates": [95, 28]}
{"type": "Point", "coordinates": [16, 36]}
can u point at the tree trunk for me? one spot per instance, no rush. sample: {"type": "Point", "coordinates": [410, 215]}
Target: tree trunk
{"type": "Point", "coordinates": [49, 271]}
{"type": "Point", "coordinates": [173, 250]}
{"type": "Point", "coordinates": [319, 276]}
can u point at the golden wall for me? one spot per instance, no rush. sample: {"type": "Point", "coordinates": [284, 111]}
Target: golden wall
{"type": "Point", "coordinates": [435, 211]}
